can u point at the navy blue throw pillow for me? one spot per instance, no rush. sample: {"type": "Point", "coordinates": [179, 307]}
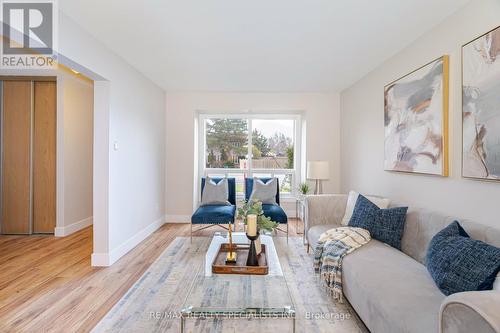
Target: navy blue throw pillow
{"type": "Point", "coordinates": [385, 225]}
{"type": "Point", "coordinates": [459, 263]}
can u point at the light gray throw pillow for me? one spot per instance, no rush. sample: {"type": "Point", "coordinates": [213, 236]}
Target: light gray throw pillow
{"type": "Point", "coordinates": [215, 193]}
{"type": "Point", "coordinates": [265, 192]}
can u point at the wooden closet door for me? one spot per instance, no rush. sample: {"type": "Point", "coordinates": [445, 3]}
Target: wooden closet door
{"type": "Point", "coordinates": [16, 134]}
{"type": "Point", "coordinates": [44, 157]}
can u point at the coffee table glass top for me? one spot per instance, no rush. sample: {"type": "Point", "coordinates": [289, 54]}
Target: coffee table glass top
{"type": "Point", "coordinates": [229, 294]}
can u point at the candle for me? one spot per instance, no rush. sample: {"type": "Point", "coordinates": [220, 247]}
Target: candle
{"type": "Point", "coordinates": [252, 225]}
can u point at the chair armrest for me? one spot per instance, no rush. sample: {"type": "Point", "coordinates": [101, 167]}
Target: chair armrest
{"type": "Point", "coordinates": [324, 209]}
{"type": "Point", "coordinates": [471, 311]}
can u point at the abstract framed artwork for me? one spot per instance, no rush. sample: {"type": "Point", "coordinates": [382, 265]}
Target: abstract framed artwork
{"type": "Point", "coordinates": [481, 107]}
{"type": "Point", "coordinates": [416, 120]}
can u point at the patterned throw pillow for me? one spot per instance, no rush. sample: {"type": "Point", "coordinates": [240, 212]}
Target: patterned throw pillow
{"type": "Point", "coordinates": [215, 193]}
{"type": "Point", "coordinates": [459, 263]}
{"type": "Point", "coordinates": [264, 192]}
{"type": "Point", "coordinates": [386, 225]}
{"type": "Point", "coordinates": [353, 198]}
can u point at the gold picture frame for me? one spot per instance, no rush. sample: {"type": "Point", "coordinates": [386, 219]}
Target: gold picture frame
{"type": "Point", "coordinates": [415, 87]}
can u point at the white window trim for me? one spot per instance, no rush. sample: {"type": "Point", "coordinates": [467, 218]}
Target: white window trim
{"type": "Point", "coordinates": [298, 147]}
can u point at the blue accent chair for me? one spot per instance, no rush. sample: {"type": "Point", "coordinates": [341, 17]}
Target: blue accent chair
{"type": "Point", "coordinates": [274, 212]}
{"type": "Point", "coordinates": [216, 215]}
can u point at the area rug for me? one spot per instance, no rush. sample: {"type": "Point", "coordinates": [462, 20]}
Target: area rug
{"type": "Point", "coordinates": [153, 304]}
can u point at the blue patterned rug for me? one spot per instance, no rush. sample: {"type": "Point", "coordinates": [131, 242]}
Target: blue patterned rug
{"type": "Point", "coordinates": [153, 303]}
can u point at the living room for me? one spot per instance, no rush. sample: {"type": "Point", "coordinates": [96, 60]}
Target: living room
{"type": "Point", "coordinates": [303, 166]}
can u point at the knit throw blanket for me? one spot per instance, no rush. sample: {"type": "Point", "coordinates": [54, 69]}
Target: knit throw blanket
{"type": "Point", "coordinates": [333, 246]}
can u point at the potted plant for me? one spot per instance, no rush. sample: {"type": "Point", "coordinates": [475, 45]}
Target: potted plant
{"type": "Point", "coordinates": [264, 223]}
{"type": "Point", "coordinates": [304, 188]}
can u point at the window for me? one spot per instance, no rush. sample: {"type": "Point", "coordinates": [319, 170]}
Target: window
{"type": "Point", "coordinates": [242, 146]}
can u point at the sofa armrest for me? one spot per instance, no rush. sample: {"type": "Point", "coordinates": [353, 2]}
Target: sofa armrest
{"type": "Point", "coordinates": [324, 209]}
{"type": "Point", "coordinates": [471, 311]}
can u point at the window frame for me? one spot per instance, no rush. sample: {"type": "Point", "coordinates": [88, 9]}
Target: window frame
{"type": "Point", "coordinates": [250, 171]}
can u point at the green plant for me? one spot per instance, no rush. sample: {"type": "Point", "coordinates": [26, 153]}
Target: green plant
{"type": "Point", "coordinates": [304, 188]}
{"type": "Point", "coordinates": [255, 207]}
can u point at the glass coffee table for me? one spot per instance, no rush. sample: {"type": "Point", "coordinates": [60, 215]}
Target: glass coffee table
{"type": "Point", "coordinates": [232, 296]}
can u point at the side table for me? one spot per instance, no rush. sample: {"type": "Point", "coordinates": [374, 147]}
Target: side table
{"type": "Point", "coordinates": [300, 213]}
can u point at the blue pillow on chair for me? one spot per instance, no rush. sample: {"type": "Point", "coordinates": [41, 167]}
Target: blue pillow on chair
{"type": "Point", "coordinates": [459, 263]}
{"type": "Point", "coordinates": [385, 225]}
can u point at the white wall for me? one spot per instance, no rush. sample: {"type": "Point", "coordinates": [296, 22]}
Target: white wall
{"type": "Point", "coordinates": [363, 131]}
{"type": "Point", "coordinates": [129, 111]}
{"type": "Point", "coordinates": [321, 112]}
{"type": "Point", "coordinates": [75, 141]}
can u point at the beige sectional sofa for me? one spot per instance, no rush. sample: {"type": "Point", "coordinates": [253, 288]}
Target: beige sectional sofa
{"type": "Point", "coordinates": [391, 290]}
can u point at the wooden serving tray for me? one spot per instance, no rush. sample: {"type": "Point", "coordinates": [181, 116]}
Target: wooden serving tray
{"type": "Point", "coordinates": [219, 265]}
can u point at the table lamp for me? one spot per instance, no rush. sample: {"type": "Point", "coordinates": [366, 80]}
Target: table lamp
{"type": "Point", "coordinates": [318, 171]}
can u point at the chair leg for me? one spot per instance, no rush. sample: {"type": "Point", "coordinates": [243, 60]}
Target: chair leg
{"type": "Point", "coordinates": [308, 247]}
{"type": "Point", "coordinates": [191, 232]}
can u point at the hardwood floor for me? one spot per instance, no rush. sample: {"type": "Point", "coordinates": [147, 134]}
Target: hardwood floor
{"type": "Point", "coordinates": [48, 285]}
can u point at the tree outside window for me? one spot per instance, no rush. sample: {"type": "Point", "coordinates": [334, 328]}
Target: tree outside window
{"type": "Point", "coordinates": [273, 148]}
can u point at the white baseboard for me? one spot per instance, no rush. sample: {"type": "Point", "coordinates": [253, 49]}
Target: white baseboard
{"type": "Point", "coordinates": [178, 218]}
{"type": "Point", "coordinates": [74, 227]}
{"type": "Point", "coordinates": [108, 259]}
{"type": "Point", "coordinates": [100, 260]}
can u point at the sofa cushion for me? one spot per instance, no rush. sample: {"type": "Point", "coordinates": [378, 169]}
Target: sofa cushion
{"type": "Point", "coordinates": [386, 225]}
{"type": "Point", "coordinates": [275, 213]}
{"type": "Point", "coordinates": [390, 291]}
{"type": "Point", "coordinates": [458, 263]}
{"type": "Point", "coordinates": [264, 192]}
{"type": "Point", "coordinates": [353, 198]}
{"type": "Point", "coordinates": [214, 215]}
{"type": "Point", "coordinates": [422, 224]}
{"type": "Point", "coordinates": [249, 187]}
{"type": "Point", "coordinates": [215, 192]}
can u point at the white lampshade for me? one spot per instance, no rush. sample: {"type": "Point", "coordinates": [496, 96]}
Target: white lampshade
{"type": "Point", "coordinates": [318, 170]}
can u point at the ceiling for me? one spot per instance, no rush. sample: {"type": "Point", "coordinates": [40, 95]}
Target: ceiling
{"type": "Point", "coordinates": [257, 45]}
